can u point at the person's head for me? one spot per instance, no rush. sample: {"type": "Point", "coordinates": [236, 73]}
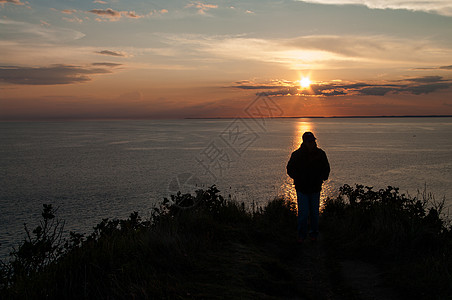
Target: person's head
{"type": "Point", "coordinates": [309, 140]}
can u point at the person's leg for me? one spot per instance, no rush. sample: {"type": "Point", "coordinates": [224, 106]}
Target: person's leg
{"type": "Point", "coordinates": [314, 201]}
{"type": "Point", "coordinates": [303, 213]}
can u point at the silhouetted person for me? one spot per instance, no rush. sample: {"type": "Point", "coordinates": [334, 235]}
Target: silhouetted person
{"type": "Point", "coordinates": [308, 167]}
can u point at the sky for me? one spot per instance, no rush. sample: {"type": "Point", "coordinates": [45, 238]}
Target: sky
{"type": "Point", "coordinates": [138, 59]}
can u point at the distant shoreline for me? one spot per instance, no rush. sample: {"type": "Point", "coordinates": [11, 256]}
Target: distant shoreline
{"type": "Point", "coordinates": [332, 117]}
{"type": "Point", "coordinates": [218, 118]}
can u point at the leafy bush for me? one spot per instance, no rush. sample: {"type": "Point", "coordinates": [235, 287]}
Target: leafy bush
{"type": "Point", "coordinates": [406, 236]}
{"type": "Point", "coordinates": [41, 247]}
{"type": "Point", "coordinates": [181, 251]}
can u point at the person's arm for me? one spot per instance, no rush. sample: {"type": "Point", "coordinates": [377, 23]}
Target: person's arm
{"type": "Point", "coordinates": [291, 168]}
{"type": "Point", "coordinates": [326, 167]}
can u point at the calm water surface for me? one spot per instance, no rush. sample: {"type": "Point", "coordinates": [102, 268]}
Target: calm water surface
{"type": "Point", "coordinates": [108, 169]}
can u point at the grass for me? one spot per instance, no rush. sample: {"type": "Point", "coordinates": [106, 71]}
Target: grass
{"type": "Point", "coordinates": [203, 246]}
{"type": "Point", "coordinates": [215, 249]}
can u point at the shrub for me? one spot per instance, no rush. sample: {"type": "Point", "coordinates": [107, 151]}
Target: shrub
{"type": "Point", "coordinates": [406, 236]}
{"type": "Point", "coordinates": [189, 240]}
{"type": "Point", "coordinates": [41, 247]}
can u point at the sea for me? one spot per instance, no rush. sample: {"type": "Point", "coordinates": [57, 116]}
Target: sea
{"type": "Point", "coordinates": [91, 170]}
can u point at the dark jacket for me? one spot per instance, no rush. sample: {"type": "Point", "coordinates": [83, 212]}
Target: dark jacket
{"type": "Point", "coordinates": [308, 169]}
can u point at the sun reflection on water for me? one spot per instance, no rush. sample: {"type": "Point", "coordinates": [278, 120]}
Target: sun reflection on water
{"type": "Point", "coordinates": [287, 187]}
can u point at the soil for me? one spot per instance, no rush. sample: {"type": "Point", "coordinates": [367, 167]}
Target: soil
{"type": "Point", "coordinates": [324, 278]}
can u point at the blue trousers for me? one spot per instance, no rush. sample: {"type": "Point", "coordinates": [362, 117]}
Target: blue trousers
{"type": "Point", "coordinates": [308, 210]}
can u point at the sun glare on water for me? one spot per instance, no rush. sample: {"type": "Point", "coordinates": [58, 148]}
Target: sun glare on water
{"type": "Point", "coordinates": [305, 82]}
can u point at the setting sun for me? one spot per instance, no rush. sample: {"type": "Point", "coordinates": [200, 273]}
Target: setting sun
{"type": "Point", "coordinates": [305, 82]}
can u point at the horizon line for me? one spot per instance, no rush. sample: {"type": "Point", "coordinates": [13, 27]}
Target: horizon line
{"type": "Point", "coordinates": [201, 118]}
{"type": "Point", "coordinates": [331, 117]}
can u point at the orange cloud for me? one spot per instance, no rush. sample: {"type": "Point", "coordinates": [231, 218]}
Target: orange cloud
{"type": "Point", "coordinates": [73, 20]}
{"type": "Point", "coordinates": [202, 8]}
{"type": "Point", "coordinates": [16, 2]}
{"type": "Point", "coordinates": [68, 11]}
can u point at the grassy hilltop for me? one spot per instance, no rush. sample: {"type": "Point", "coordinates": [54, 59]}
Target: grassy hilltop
{"type": "Point", "coordinates": [203, 246]}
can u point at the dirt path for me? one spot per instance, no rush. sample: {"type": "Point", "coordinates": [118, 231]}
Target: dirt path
{"type": "Point", "coordinates": [323, 278]}
{"type": "Point", "coordinates": [365, 280]}
{"type": "Point", "coordinates": [313, 274]}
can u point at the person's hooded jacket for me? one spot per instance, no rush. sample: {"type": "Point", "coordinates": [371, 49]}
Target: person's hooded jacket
{"type": "Point", "coordinates": [308, 169]}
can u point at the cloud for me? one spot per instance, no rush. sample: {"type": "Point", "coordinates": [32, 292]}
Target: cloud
{"type": "Point", "coordinates": [202, 7]}
{"type": "Point", "coordinates": [53, 75]}
{"type": "Point", "coordinates": [436, 68]}
{"type": "Point", "coordinates": [259, 87]}
{"type": "Point", "coordinates": [106, 64]}
{"type": "Point", "coordinates": [315, 52]}
{"type": "Point", "coordinates": [100, 2]}
{"type": "Point", "coordinates": [73, 20]}
{"type": "Point", "coordinates": [426, 79]}
{"type": "Point", "coordinates": [427, 88]}
{"type": "Point", "coordinates": [416, 86]}
{"type": "Point", "coordinates": [371, 49]}
{"type": "Point", "coordinates": [242, 48]}
{"type": "Point", "coordinates": [131, 14]}
{"type": "Point", "coordinates": [16, 2]}
{"type": "Point", "coordinates": [114, 15]}
{"type": "Point", "coordinates": [29, 32]}
{"type": "Point", "coordinates": [344, 45]}
{"type": "Point", "coordinates": [68, 11]}
{"type": "Point", "coordinates": [108, 13]}
{"type": "Point", "coordinates": [376, 90]}
{"type": "Point", "coordinates": [442, 7]}
{"type": "Point", "coordinates": [112, 53]}
{"type": "Point", "coordinates": [282, 92]}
